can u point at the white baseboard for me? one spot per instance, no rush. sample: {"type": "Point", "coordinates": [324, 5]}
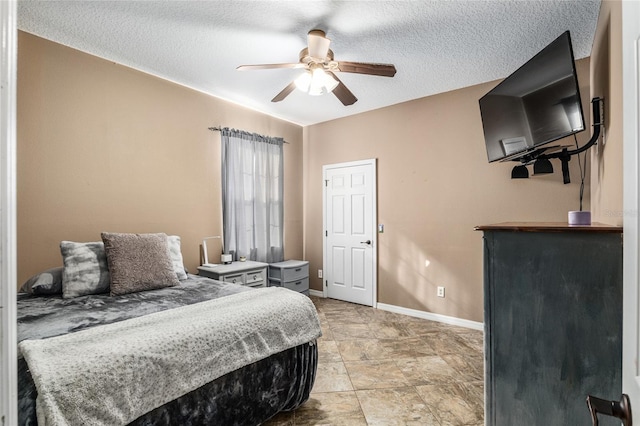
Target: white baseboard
{"type": "Point", "coordinates": [419, 314]}
{"type": "Point", "coordinates": [431, 316]}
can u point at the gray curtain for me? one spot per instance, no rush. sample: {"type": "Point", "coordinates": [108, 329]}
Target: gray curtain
{"type": "Point", "coordinates": [252, 196]}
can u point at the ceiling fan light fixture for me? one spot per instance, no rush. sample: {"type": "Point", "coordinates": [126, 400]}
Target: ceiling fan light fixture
{"type": "Point", "coordinates": [315, 90]}
{"type": "Point", "coordinates": [330, 82]}
{"type": "Point", "coordinates": [316, 82]}
{"type": "Point", "coordinates": [304, 81]}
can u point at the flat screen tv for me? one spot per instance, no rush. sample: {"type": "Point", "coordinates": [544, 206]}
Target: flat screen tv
{"type": "Point", "coordinates": [539, 103]}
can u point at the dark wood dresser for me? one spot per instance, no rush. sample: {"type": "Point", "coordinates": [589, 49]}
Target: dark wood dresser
{"type": "Point", "coordinates": [553, 321]}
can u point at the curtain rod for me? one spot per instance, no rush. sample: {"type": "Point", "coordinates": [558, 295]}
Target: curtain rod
{"type": "Point", "coordinates": [217, 129]}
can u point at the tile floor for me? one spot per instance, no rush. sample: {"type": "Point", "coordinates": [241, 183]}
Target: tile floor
{"type": "Point", "coordinates": [380, 368]}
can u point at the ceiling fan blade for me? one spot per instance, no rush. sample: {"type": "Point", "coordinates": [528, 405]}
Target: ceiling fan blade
{"type": "Point", "coordinates": [269, 66]}
{"type": "Point", "coordinates": [343, 93]}
{"type": "Point", "coordinates": [285, 92]}
{"type": "Point", "coordinates": [318, 44]}
{"type": "Point", "coordinates": [385, 70]}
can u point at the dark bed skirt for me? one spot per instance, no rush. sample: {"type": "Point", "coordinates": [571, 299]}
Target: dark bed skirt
{"type": "Point", "coordinates": [248, 396]}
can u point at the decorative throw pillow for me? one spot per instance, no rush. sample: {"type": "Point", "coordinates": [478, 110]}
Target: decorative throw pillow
{"type": "Point", "coordinates": [46, 282]}
{"type": "Point", "coordinates": [138, 262]}
{"type": "Point", "coordinates": [173, 242]}
{"type": "Point", "coordinates": [85, 269]}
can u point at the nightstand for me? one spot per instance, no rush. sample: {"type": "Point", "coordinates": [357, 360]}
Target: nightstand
{"type": "Point", "coordinates": [249, 273]}
{"type": "Point", "coordinates": [291, 274]}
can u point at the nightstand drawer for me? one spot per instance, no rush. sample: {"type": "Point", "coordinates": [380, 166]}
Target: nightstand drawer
{"type": "Point", "coordinates": [299, 285]}
{"type": "Point", "coordinates": [290, 270]}
{"type": "Point", "coordinates": [235, 279]}
{"type": "Point", "coordinates": [295, 274]}
{"type": "Point", "coordinates": [255, 277]}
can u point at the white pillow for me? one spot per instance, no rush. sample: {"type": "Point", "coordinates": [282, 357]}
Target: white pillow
{"type": "Point", "coordinates": [173, 243]}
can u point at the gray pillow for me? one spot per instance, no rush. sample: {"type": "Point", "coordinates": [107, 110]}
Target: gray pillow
{"type": "Point", "coordinates": [85, 269]}
{"type": "Point", "coordinates": [46, 282]}
{"type": "Point", "coordinates": [173, 242]}
{"type": "Point", "coordinates": [138, 262]}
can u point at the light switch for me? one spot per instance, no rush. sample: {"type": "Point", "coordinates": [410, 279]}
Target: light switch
{"type": "Point", "coordinates": [381, 228]}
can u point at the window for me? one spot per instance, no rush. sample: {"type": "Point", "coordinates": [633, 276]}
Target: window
{"type": "Point", "coordinates": [252, 196]}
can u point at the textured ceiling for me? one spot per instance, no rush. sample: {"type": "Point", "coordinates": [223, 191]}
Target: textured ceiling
{"type": "Point", "coordinates": [436, 46]}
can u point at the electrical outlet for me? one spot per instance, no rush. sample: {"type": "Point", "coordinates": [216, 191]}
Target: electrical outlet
{"type": "Point", "coordinates": [319, 273]}
{"type": "Point", "coordinates": [440, 291]}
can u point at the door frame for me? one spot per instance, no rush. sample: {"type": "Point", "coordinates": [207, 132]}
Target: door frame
{"type": "Point", "coordinates": [8, 256]}
{"type": "Point", "coordinates": [374, 222]}
{"type": "Point", "coordinates": [631, 190]}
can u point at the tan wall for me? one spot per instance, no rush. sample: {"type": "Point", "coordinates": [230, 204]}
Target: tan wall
{"type": "Point", "coordinates": [105, 147]}
{"type": "Point", "coordinates": [606, 82]}
{"type": "Point", "coordinates": [434, 186]}
{"type": "Point", "coordinates": [102, 147]}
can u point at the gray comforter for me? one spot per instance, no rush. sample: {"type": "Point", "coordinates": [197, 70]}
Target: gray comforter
{"type": "Point", "coordinates": [246, 396]}
{"type": "Point", "coordinates": [40, 317]}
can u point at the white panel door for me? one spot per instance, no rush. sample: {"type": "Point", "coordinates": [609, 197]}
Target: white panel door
{"type": "Point", "coordinates": [350, 230]}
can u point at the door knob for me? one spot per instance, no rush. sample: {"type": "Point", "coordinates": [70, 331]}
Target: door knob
{"type": "Point", "coordinates": [620, 409]}
{"type": "Point", "coordinates": [368, 242]}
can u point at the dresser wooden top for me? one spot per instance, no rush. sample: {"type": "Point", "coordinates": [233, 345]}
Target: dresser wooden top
{"type": "Point", "coordinates": [549, 227]}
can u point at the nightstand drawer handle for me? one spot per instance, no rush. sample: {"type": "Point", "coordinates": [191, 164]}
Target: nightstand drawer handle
{"type": "Point", "coordinates": [299, 282]}
{"type": "Point", "coordinates": [299, 269]}
{"type": "Point", "coordinates": [255, 277]}
{"type": "Point", "coordinates": [234, 280]}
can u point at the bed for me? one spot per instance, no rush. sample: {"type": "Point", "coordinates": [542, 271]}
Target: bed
{"type": "Point", "coordinates": [254, 386]}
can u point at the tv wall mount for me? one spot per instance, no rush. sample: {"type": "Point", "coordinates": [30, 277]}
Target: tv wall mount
{"type": "Point", "coordinates": [538, 156]}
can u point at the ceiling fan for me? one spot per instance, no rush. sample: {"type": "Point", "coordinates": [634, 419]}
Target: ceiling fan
{"type": "Point", "coordinates": [317, 60]}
